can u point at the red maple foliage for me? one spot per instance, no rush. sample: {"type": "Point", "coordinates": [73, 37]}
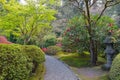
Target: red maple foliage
{"type": "Point", "coordinates": [44, 49]}
{"type": "Point", "coordinates": [3, 40]}
{"type": "Point", "coordinates": [59, 44]}
{"type": "Point", "coordinates": [110, 24]}
{"type": "Point", "coordinates": [68, 29]}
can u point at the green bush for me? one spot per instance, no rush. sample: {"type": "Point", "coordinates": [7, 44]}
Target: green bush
{"type": "Point", "coordinates": [17, 61]}
{"type": "Point", "coordinates": [13, 63]}
{"type": "Point", "coordinates": [115, 69]}
{"type": "Point", "coordinates": [34, 53]}
{"type": "Point", "coordinates": [50, 42]}
{"type": "Point", "coordinates": [52, 50]}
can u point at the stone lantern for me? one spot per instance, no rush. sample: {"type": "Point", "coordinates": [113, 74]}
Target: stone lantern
{"type": "Point", "coordinates": [110, 52]}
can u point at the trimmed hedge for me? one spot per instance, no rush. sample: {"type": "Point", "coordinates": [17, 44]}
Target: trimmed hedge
{"type": "Point", "coordinates": [18, 62]}
{"type": "Point", "coordinates": [52, 50]}
{"type": "Point", "coordinates": [35, 55]}
{"type": "Point", "coordinates": [115, 69]}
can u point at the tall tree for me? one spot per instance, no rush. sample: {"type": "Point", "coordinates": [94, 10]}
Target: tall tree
{"type": "Point", "coordinates": [28, 18]}
{"type": "Point", "coordinates": [86, 10]}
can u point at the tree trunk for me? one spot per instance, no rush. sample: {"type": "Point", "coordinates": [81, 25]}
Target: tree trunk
{"type": "Point", "coordinates": [93, 44]}
{"type": "Point", "coordinates": [93, 51]}
{"type": "Point", "coordinates": [26, 40]}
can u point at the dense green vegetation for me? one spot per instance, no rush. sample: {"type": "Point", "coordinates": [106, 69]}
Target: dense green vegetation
{"type": "Point", "coordinates": [91, 23]}
{"type": "Point", "coordinates": [64, 28]}
{"type": "Point", "coordinates": [115, 69]}
{"type": "Point", "coordinates": [23, 23]}
{"type": "Point", "coordinates": [19, 62]}
{"type": "Point", "coordinates": [76, 33]}
{"type": "Point", "coordinates": [52, 50]}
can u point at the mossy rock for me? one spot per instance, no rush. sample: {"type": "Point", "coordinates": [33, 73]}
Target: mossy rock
{"type": "Point", "coordinates": [115, 69]}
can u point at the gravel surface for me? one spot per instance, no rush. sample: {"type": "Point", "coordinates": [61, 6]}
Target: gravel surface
{"type": "Point", "coordinates": [56, 70]}
{"type": "Point", "coordinates": [92, 72]}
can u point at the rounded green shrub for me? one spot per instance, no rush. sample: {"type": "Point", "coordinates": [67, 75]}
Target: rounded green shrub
{"type": "Point", "coordinates": [115, 69]}
{"type": "Point", "coordinates": [17, 62]}
{"type": "Point", "coordinates": [52, 50]}
{"type": "Point", "coordinates": [50, 42]}
{"type": "Point", "coordinates": [34, 53]}
{"type": "Point", "coordinates": [13, 63]}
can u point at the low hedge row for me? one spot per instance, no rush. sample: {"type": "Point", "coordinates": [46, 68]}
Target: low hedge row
{"type": "Point", "coordinates": [52, 50]}
{"type": "Point", "coordinates": [19, 62]}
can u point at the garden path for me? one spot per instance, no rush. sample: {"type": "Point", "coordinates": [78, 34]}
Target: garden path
{"type": "Point", "coordinates": [56, 70]}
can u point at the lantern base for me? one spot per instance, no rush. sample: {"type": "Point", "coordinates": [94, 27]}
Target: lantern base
{"type": "Point", "coordinates": [106, 67]}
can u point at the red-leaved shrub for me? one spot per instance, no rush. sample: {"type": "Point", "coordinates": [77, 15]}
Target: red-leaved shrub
{"type": "Point", "coordinates": [44, 49]}
{"type": "Point", "coordinates": [3, 40]}
{"type": "Point", "coordinates": [59, 44]}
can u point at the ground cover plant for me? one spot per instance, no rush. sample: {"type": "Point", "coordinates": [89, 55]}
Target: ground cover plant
{"type": "Point", "coordinates": [78, 60]}
{"type": "Point", "coordinates": [74, 59]}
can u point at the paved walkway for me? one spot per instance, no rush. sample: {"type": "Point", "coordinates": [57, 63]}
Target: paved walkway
{"type": "Point", "coordinates": [56, 70]}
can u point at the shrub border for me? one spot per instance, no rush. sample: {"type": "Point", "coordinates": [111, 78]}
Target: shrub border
{"type": "Point", "coordinates": [39, 73]}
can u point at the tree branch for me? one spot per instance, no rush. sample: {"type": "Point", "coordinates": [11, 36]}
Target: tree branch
{"type": "Point", "coordinates": [88, 12]}
{"type": "Point", "coordinates": [25, 23]}
{"type": "Point", "coordinates": [105, 6]}
{"type": "Point", "coordinates": [94, 1]}
{"type": "Point", "coordinates": [77, 6]}
{"type": "Point", "coordinates": [114, 4]}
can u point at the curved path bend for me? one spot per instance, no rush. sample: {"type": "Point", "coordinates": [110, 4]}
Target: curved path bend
{"type": "Point", "coordinates": [56, 70]}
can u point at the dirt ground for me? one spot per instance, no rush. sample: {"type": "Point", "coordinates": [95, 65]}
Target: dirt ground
{"type": "Point", "coordinates": [90, 73]}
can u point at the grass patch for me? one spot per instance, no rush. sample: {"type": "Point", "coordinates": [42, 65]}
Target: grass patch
{"type": "Point", "coordinates": [78, 60]}
{"type": "Point", "coordinates": [39, 74]}
{"type": "Point", "coordinates": [105, 77]}
{"type": "Point", "coordinates": [74, 59]}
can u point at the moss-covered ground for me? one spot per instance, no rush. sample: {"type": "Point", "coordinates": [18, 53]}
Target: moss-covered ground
{"type": "Point", "coordinates": [80, 64]}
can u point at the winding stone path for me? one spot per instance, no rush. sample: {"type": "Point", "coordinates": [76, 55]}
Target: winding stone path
{"type": "Point", "coordinates": [56, 70]}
